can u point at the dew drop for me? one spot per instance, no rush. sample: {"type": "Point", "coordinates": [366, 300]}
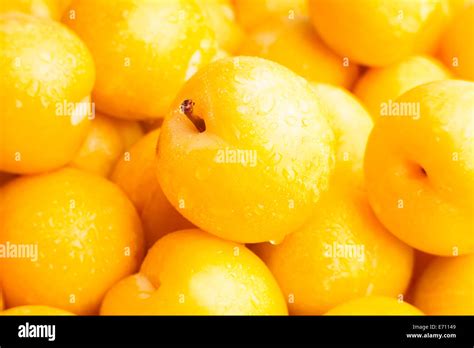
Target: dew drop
{"type": "Point", "coordinates": [254, 300]}
{"type": "Point", "coordinates": [32, 88]}
{"type": "Point", "coordinates": [45, 56]}
{"type": "Point", "coordinates": [277, 157]}
{"type": "Point", "coordinates": [303, 106]}
{"type": "Point", "coordinates": [240, 79]}
{"type": "Point", "coordinates": [266, 103]}
{"type": "Point", "coordinates": [237, 133]}
{"type": "Point", "coordinates": [44, 101]}
{"type": "Point", "coordinates": [242, 109]}
{"type": "Point", "coordinates": [275, 242]}
{"type": "Point", "coordinates": [289, 174]}
{"type": "Point", "coordinates": [247, 98]}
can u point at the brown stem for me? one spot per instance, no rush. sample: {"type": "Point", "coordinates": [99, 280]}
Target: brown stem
{"type": "Point", "coordinates": [187, 108]}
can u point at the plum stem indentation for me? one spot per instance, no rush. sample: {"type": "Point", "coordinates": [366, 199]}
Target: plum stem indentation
{"type": "Point", "coordinates": [187, 108]}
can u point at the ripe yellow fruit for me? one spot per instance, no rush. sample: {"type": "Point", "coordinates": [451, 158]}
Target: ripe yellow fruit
{"type": "Point", "coordinates": [143, 50]}
{"type": "Point", "coordinates": [375, 305]}
{"type": "Point", "coordinates": [341, 254]}
{"type": "Point", "coordinates": [190, 272]}
{"type": "Point", "coordinates": [419, 168]}
{"type": "Point", "coordinates": [294, 44]}
{"type": "Point", "coordinates": [136, 175]}
{"type": "Point", "coordinates": [311, 273]}
{"type": "Point", "coordinates": [105, 143]}
{"type": "Point", "coordinates": [256, 171]}
{"type": "Point", "coordinates": [251, 13]}
{"type": "Point", "coordinates": [457, 46]}
{"type": "Point", "coordinates": [221, 16]}
{"type": "Point", "coordinates": [379, 86]}
{"type": "Point", "coordinates": [47, 77]}
{"type": "Point", "coordinates": [379, 32]}
{"type": "Point", "coordinates": [446, 287]}
{"type": "Point", "coordinates": [35, 310]}
{"type": "Point", "coordinates": [351, 124]}
{"type": "Point", "coordinates": [39, 8]}
{"type": "Point", "coordinates": [81, 235]}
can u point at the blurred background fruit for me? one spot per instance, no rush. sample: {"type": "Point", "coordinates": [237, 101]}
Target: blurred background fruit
{"type": "Point", "coordinates": [143, 51]}
{"type": "Point", "coordinates": [379, 86]}
{"type": "Point", "coordinates": [190, 272]}
{"type": "Point", "coordinates": [47, 76]}
{"type": "Point", "coordinates": [251, 13]}
{"type": "Point", "coordinates": [294, 44]}
{"type": "Point", "coordinates": [86, 233]}
{"type": "Point", "coordinates": [379, 32]}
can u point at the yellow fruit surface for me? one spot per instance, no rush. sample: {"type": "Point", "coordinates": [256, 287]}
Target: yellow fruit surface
{"type": "Point", "coordinates": [266, 133]}
{"type": "Point", "coordinates": [190, 272]}
{"type": "Point", "coordinates": [419, 168]}
{"type": "Point", "coordinates": [79, 235]}
{"type": "Point", "coordinates": [47, 75]}
{"type": "Point", "coordinates": [143, 51]}
{"type": "Point", "coordinates": [379, 86]}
